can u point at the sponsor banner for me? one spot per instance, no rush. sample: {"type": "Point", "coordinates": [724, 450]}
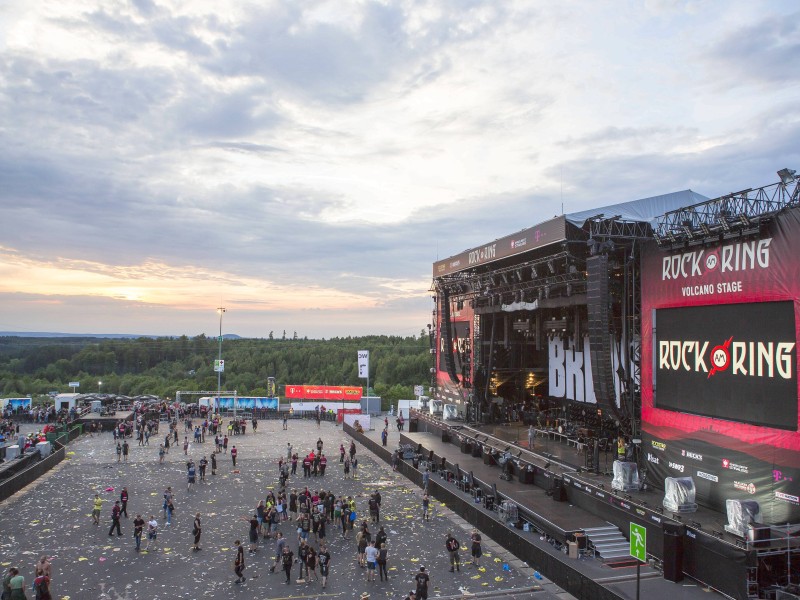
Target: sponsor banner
{"type": "Point", "coordinates": [546, 233]}
{"type": "Point", "coordinates": [324, 392]}
{"type": "Point", "coordinates": [723, 473]}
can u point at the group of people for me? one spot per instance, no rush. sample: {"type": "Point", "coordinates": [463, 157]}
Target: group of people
{"type": "Point", "coordinates": [14, 582]}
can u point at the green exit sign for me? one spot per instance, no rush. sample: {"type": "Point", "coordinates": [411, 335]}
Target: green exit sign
{"type": "Point", "coordinates": [639, 542]}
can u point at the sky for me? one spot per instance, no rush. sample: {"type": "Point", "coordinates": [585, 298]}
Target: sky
{"type": "Point", "coordinates": [303, 164]}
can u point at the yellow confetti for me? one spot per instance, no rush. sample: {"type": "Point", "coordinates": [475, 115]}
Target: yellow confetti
{"type": "Point", "coordinates": [64, 597]}
{"type": "Point", "coordinates": [475, 577]}
{"type": "Point", "coordinates": [498, 578]}
{"type": "Point", "coordinates": [482, 569]}
{"type": "Point", "coordinates": [70, 454]}
{"type": "Point", "coordinates": [5, 564]}
{"type": "Point", "coordinates": [153, 493]}
{"type": "Point", "coordinates": [224, 549]}
{"type": "Point", "coordinates": [484, 583]}
{"type": "Point", "coordinates": [414, 560]}
{"type": "Point", "coordinates": [497, 560]}
{"type": "Point", "coordinates": [82, 558]}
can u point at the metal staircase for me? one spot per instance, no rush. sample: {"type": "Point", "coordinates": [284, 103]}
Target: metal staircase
{"type": "Point", "coordinates": [608, 542]}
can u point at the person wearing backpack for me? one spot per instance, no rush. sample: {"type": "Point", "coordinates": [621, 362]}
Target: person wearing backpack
{"type": "Point", "coordinates": [453, 546]}
{"type": "Point", "coordinates": [41, 588]}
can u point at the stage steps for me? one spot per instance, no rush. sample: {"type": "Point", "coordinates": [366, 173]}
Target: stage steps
{"type": "Point", "coordinates": [608, 542]}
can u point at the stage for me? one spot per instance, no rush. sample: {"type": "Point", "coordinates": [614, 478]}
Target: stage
{"type": "Point", "coordinates": [693, 544]}
{"type": "Point", "coordinates": [584, 577]}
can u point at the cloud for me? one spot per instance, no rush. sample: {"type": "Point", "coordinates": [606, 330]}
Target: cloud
{"type": "Point", "coordinates": [287, 157]}
{"type": "Point", "coordinates": [766, 51]}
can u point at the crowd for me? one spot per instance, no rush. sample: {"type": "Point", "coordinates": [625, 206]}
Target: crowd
{"type": "Point", "coordinates": [292, 525]}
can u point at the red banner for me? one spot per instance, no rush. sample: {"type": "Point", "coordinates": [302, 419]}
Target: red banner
{"type": "Point", "coordinates": [324, 392]}
{"type": "Point", "coordinates": [346, 411]}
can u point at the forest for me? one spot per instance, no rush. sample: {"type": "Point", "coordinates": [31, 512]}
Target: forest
{"type": "Point", "coordinates": [161, 366]}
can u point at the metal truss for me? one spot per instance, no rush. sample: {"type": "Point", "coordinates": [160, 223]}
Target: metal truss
{"type": "Point", "coordinates": [554, 270]}
{"type": "Point", "coordinates": [613, 228]}
{"type": "Point", "coordinates": [733, 215]}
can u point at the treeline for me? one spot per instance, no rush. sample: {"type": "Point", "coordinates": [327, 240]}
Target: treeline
{"type": "Point", "coordinates": [161, 366]}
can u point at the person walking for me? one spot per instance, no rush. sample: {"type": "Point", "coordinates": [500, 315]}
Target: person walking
{"type": "Point", "coordinates": [384, 436]}
{"type": "Point", "coordinates": [453, 546]}
{"type": "Point", "coordinates": [115, 510]}
{"type": "Point", "coordinates": [476, 549]}
{"type": "Point", "coordinates": [371, 555]}
{"type": "Point", "coordinates": [97, 506]}
{"type": "Point", "coordinates": [138, 528]}
{"type": "Point", "coordinates": [213, 463]}
{"type": "Point", "coordinates": [161, 453]}
{"type": "Point", "coordinates": [152, 531]}
{"type": "Point", "coordinates": [285, 426]}
{"type": "Point", "coordinates": [341, 453]}
{"type": "Point", "coordinates": [191, 475]}
{"type": "Point", "coordinates": [426, 507]}
{"type": "Point", "coordinates": [123, 498]}
{"type": "Point", "coordinates": [422, 580]}
{"type": "Point", "coordinates": [311, 564]}
{"type": "Point", "coordinates": [16, 584]}
{"type": "Point", "coordinates": [382, 560]}
{"type": "Point", "coordinates": [125, 450]}
{"type": "Point", "coordinates": [203, 465]}
{"type": "Point", "coordinates": [280, 544]}
{"type": "Point", "coordinates": [286, 561]}
{"type": "Point", "coordinates": [170, 510]}
{"type": "Point", "coordinates": [197, 531]}
{"type": "Point", "coordinates": [119, 451]}
{"type": "Point", "coordinates": [238, 563]}
{"type": "Point", "coordinates": [324, 560]}
{"type": "Point", "coordinates": [234, 454]}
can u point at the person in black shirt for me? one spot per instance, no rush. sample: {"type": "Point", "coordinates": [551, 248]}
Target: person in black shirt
{"type": "Point", "coordinates": [476, 547]}
{"type": "Point", "coordinates": [115, 519]}
{"type": "Point", "coordinates": [197, 531]}
{"type": "Point", "coordinates": [324, 560]}
{"type": "Point", "coordinates": [453, 546]}
{"type": "Point", "coordinates": [422, 580]}
{"type": "Point", "coordinates": [287, 560]}
{"type": "Point", "coordinates": [238, 564]}
{"type": "Point", "coordinates": [203, 465]}
{"type": "Point", "coordinates": [380, 538]}
{"type": "Point", "coordinates": [138, 527]}
{"type": "Point", "coordinates": [123, 498]}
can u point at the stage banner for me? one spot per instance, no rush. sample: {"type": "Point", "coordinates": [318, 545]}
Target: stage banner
{"type": "Point", "coordinates": [464, 324]}
{"type": "Point", "coordinates": [324, 392]}
{"type": "Point", "coordinates": [719, 368]}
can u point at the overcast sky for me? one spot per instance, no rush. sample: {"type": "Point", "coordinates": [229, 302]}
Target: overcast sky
{"type": "Point", "coordinates": [304, 163]}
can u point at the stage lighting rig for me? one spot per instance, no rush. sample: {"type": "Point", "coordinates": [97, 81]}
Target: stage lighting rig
{"type": "Point", "coordinates": [787, 176]}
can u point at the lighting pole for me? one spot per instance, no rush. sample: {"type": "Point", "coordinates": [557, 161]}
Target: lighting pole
{"type": "Point", "coordinates": [221, 311]}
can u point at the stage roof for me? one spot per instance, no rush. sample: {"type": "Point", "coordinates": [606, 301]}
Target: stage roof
{"type": "Point", "coordinates": [554, 230]}
{"type": "Point", "coordinates": [645, 210]}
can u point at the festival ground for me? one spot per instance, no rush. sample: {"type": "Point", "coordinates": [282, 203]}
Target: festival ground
{"type": "Point", "coordinates": [52, 517]}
